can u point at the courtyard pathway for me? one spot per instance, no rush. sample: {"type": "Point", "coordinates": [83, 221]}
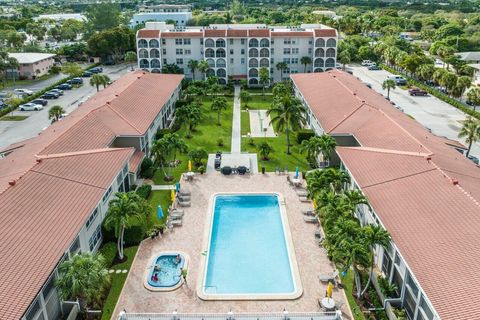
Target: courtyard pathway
{"type": "Point", "coordinates": [236, 125]}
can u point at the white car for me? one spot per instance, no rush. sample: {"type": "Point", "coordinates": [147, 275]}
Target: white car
{"type": "Point", "coordinates": [31, 107]}
{"type": "Point", "coordinates": [23, 92]}
{"type": "Point", "coordinates": [367, 63]}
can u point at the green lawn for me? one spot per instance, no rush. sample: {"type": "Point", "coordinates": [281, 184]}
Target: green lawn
{"type": "Point", "coordinates": [13, 118]}
{"type": "Point", "coordinates": [158, 197]}
{"type": "Point", "coordinates": [259, 102]}
{"type": "Point", "coordinates": [118, 280]}
{"type": "Point", "coordinates": [348, 283]}
{"type": "Point", "coordinates": [11, 83]}
{"type": "Point", "coordinates": [205, 136]}
{"type": "Point", "coordinates": [259, 90]}
{"type": "Point", "coordinates": [245, 122]}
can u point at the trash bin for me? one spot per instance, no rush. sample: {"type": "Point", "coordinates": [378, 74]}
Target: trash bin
{"type": "Point", "coordinates": [263, 170]}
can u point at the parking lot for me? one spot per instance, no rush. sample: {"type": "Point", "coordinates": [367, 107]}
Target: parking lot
{"type": "Point", "coordinates": [440, 117]}
{"type": "Point", "coordinates": [15, 131]}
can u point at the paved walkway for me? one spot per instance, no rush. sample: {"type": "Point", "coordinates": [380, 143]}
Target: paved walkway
{"type": "Point", "coordinates": [236, 125]}
{"type": "Point", "coordinates": [260, 124]}
{"type": "Point", "coordinates": [163, 187]}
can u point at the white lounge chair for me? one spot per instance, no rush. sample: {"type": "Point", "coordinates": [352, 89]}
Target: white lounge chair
{"type": "Point", "coordinates": [184, 203]}
{"type": "Point", "coordinates": [308, 213]}
{"type": "Point", "coordinates": [328, 276]}
{"type": "Point", "coordinates": [303, 199]}
{"type": "Point", "coordinates": [183, 198]}
{"type": "Point", "coordinates": [310, 219]}
{"type": "Point", "coordinates": [302, 192]}
{"type": "Point", "coordinates": [176, 223]}
{"type": "Point", "coordinates": [185, 193]}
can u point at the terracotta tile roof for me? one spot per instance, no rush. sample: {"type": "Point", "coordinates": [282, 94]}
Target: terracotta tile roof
{"type": "Point", "coordinates": [41, 216]}
{"type": "Point", "coordinates": [135, 161]}
{"type": "Point", "coordinates": [181, 35]}
{"type": "Point", "coordinates": [148, 33]}
{"type": "Point", "coordinates": [237, 33]}
{"type": "Point", "coordinates": [292, 34]}
{"type": "Point", "coordinates": [252, 33]}
{"type": "Point", "coordinates": [424, 192]}
{"type": "Point", "coordinates": [215, 33]}
{"type": "Point", "coordinates": [319, 33]}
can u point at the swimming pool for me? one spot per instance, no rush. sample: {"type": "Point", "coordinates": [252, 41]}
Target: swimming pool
{"type": "Point", "coordinates": [165, 273]}
{"type": "Point", "coordinates": [249, 252]}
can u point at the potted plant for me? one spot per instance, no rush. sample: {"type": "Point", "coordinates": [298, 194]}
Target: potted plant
{"type": "Point", "coordinates": [201, 169]}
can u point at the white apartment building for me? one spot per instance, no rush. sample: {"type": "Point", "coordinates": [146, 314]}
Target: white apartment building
{"type": "Point", "coordinates": [180, 14]}
{"type": "Point", "coordinates": [238, 51]}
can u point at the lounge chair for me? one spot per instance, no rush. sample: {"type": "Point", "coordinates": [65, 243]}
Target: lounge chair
{"type": "Point", "coordinates": [328, 277]}
{"type": "Point", "coordinates": [176, 223]}
{"type": "Point", "coordinates": [183, 198]}
{"type": "Point", "coordinates": [178, 213]}
{"type": "Point", "coordinates": [290, 182]}
{"type": "Point", "coordinates": [310, 219]}
{"type": "Point", "coordinates": [184, 203]}
{"type": "Point", "coordinates": [308, 213]}
{"type": "Point", "coordinates": [171, 211]}
{"type": "Point", "coordinates": [302, 192]}
{"type": "Point", "coordinates": [175, 217]}
{"type": "Point", "coordinates": [184, 193]}
{"type": "Point", "coordinates": [303, 199]}
{"type": "Point", "coordinates": [339, 305]}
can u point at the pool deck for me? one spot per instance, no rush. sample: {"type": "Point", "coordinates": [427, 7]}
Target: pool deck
{"type": "Point", "coordinates": [311, 259]}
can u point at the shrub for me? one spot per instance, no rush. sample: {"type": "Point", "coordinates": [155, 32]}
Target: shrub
{"type": "Point", "coordinates": [220, 142]}
{"type": "Point", "coordinates": [149, 173]}
{"type": "Point", "coordinates": [146, 168]}
{"type": "Point", "coordinates": [161, 132]}
{"type": "Point", "coordinates": [109, 252]}
{"type": "Point", "coordinates": [134, 234]}
{"type": "Point", "coordinates": [197, 155]}
{"type": "Point", "coordinates": [304, 134]}
{"type": "Point", "coordinates": [144, 191]}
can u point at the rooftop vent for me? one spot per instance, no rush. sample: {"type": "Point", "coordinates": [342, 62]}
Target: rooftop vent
{"type": "Point", "coordinates": [455, 182]}
{"type": "Point", "coordinates": [12, 182]}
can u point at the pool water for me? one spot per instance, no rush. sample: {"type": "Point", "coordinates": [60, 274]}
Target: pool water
{"type": "Point", "coordinates": [169, 272]}
{"type": "Point", "coordinates": [248, 253]}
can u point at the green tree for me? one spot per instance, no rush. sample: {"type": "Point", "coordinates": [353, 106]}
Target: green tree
{"type": "Point", "coordinates": [264, 78]}
{"type": "Point", "coordinates": [72, 69]}
{"type": "Point", "coordinates": [125, 208]}
{"type": "Point", "coordinates": [55, 113]}
{"type": "Point", "coordinates": [470, 131]}
{"type": "Point", "coordinates": [312, 148]}
{"type": "Point", "coordinates": [102, 16]}
{"type": "Point", "coordinates": [176, 144]}
{"type": "Point", "coordinates": [287, 113]}
{"type": "Point", "coordinates": [219, 104]}
{"type": "Point", "coordinates": [474, 97]}
{"type": "Point", "coordinates": [281, 66]}
{"type": "Point", "coordinates": [197, 155]}
{"type": "Point", "coordinates": [112, 43]}
{"type": "Point", "coordinates": [82, 277]}
{"type": "Point", "coordinates": [193, 65]}
{"type": "Point", "coordinates": [264, 149]}
{"type": "Point", "coordinates": [449, 81]}
{"type": "Point", "coordinates": [6, 64]}
{"type": "Point", "coordinates": [171, 68]}
{"type": "Point", "coordinates": [425, 72]}
{"type": "Point", "coordinates": [463, 83]}
{"type": "Point", "coordinates": [97, 80]}
{"type": "Point", "coordinates": [131, 57]}
{"type": "Point", "coordinates": [344, 57]}
{"type": "Point", "coordinates": [305, 60]}
{"type": "Point", "coordinates": [327, 145]}
{"type": "Point", "coordinates": [245, 97]}
{"type": "Point", "coordinates": [203, 67]}
{"type": "Point", "coordinates": [388, 85]}
{"type": "Point", "coordinates": [189, 115]}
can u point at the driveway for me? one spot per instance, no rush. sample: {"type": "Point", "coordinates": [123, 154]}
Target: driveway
{"type": "Point", "coordinates": [440, 117]}
{"type": "Point", "coordinates": [15, 131]}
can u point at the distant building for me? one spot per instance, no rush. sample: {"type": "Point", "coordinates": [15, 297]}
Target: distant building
{"type": "Point", "coordinates": [179, 14]}
{"type": "Point", "coordinates": [31, 64]}
{"type": "Point", "coordinates": [470, 57]}
{"type": "Point", "coordinates": [59, 17]}
{"type": "Point", "coordinates": [238, 51]}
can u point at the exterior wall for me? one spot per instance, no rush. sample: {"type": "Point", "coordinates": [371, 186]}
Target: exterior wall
{"type": "Point", "coordinates": [180, 18]}
{"type": "Point", "coordinates": [37, 69]}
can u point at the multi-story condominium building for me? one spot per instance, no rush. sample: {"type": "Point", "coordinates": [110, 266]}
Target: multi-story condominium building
{"type": "Point", "coordinates": [179, 14]}
{"type": "Point", "coordinates": [419, 187]}
{"type": "Point", "coordinates": [55, 188]}
{"type": "Point", "coordinates": [238, 51]}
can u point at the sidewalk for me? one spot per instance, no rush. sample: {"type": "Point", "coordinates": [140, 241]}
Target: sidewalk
{"type": "Point", "coordinates": [236, 125]}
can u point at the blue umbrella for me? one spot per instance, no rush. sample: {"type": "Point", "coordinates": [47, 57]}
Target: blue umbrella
{"type": "Point", "coordinates": [159, 212]}
{"type": "Point", "coordinates": [296, 172]}
{"type": "Point", "coordinates": [177, 187]}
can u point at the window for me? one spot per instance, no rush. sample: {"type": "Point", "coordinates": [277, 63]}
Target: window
{"type": "Point", "coordinates": [178, 51]}
{"type": "Point", "coordinates": [49, 286]}
{"type": "Point", "coordinates": [294, 60]}
{"type": "Point", "coordinates": [94, 214]}
{"type": "Point", "coordinates": [164, 51]}
{"type": "Point", "coordinates": [178, 41]}
{"type": "Point", "coordinates": [120, 176]}
{"type": "Point", "coordinates": [231, 50]}
{"type": "Point", "coordinates": [243, 50]}
{"type": "Point", "coordinates": [164, 61]}
{"type": "Point", "coordinates": [310, 50]}
{"type": "Point", "coordinates": [163, 42]}
{"type": "Point", "coordinates": [32, 312]}
{"type": "Point", "coordinates": [230, 41]}
{"type": "Point", "coordinates": [75, 246]}
{"type": "Point", "coordinates": [179, 61]}
{"type": "Point", "coordinates": [286, 60]}
{"type": "Point", "coordinates": [231, 60]}
{"type": "Point", "coordinates": [411, 284]}
{"type": "Point", "coordinates": [95, 238]}
{"type": "Point", "coordinates": [295, 50]}
{"type": "Point", "coordinates": [242, 60]}
{"type": "Point", "coordinates": [310, 42]}
{"type": "Point", "coordinates": [107, 194]}
{"type": "Point", "coordinates": [272, 51]}
{"type": "Point", "coordinates": [409, 304]}
{"type": "Point", "coordinates": [294, 41]}
{"type": "Point", "coordinates": [187, 41]}
{"type": "Point", "coordinates": [188, 51]}
{"type": "Point", "coordinates": [286, 51]}
{"type": "Point", "coordinates": [287, 41]}
{"type": "Point", "coordinates": [386, 264]}
{"type": "Point", "coordinates": [242, 41]}
{"type": "Point", "coordinates": [426, 309]}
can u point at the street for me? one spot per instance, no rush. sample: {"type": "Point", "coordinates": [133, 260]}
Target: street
{"type": "Point", "coordinates": [15, 131]}
{"type": "Point", "coordinates": [438, 116]}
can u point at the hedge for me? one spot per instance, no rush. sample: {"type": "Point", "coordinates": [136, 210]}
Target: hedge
{"type": "Point", "coordinates": [41, 92]}
{"type": "Point", "coordinates": [144, 191]}
{"type": "Point", "coordinates": [109, 252]}
{"type": "Point", "coordinates": [304, 135]}
{"type": "Point", "coordinates": [434, 92]}
{"type": "Point", "coordinates": [134, 234]}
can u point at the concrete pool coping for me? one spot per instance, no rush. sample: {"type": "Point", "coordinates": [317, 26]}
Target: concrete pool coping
{"type": "Point", "coordinates": [148, 270]}
{"type": "Point", "coordinates": [298, 288]}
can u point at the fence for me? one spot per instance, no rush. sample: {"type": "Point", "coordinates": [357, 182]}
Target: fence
{"type": "Point", "coordinates": [335, 315]}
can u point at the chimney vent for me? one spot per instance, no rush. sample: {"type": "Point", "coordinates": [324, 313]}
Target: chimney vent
{"type": "Point", "coordinates": [12, 182]}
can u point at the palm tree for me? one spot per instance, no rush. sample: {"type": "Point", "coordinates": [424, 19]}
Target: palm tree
{"type": "Point", "coordinates": [305, 60]}
{"type": "Point", "coordinates": [327, 145]}
{"type": "Point", "coordinates": [189, 115]}
{"type": "Point", "coordinates": [219, 104]}
{"type": "Point", "coordinates": [193, 65]}
{"type": "Point", "coordinates": [474, 97]}
{"type": "Point", "coordinates": [121, 210]}
{"type": "Point", "coordinates": [387, 85]}
{"type": "Point", "coordinates": [354, 198]}
{"type": "Point", "coordinates": [344, 57]}
{"type": "Point", "coordinates": [288, 114]}
{"type": "Point", "coordinates": [463, 83]}
{"type": "Point", "coordinates": [82, 277]}
{"type": "Point", "coordinates": [328, 179]}
{"type": "Point", "coordinates": [312, 148]}
{"type": "Point", "coordinates": [72, 69]}
{"type": "Point", "coordinates": [449, 81]}
{"type": "Point", "coordinates": [264, 78]}
{"type": "Point", "coordinates": [97, 80]}
{"type": "Point", "coordinates": [264, 149]}
{"type": "Point", "coordinates": [425, 72]}
{"type": "Point", "coordinates": [281, 66]}
{"type": "Point", "coordinates": [245, 97]}
{"type": "Point", "coordinates": [160, 151]}
{"type": "Point", "coordinates": [176, 144]}
{"type": "Point", "coordinates": [131, 57]}
{"type": "Point", "coordinates": [374, 235]}
{"type": "Point", "coordinates": [203, 67]}
{"type": "Point", "coordinates": [55, 113]}
{"type": "Point", "coordinates": [106, 80]}
{"type": "Point", "coordinates": [470, 131]}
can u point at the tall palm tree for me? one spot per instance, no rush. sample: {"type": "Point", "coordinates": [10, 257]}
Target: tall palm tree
{"type": "Point", "coordinates": [312, 148]}
{"type": "Point", "coordinates": [336, 178]}
{"type": "Point", "coordinates": [121, 210]}
{"type": "Point", "coordinates": [106, 80]}
{"type": "Point", "coordinates": [55, 113]}
{"type": "Point", "coordinates": [281, 66]}
{"type": "Point", "coordinates": [176, 144]}
{"type": "Point", "coordinates": [97, 80]}
{"type": "Point", "coordinates": [470, 131]}
{"type": "Point", "coordinates": [131, 57]}
{"type": "Point", "coordinates": [219, 104]}
{"type": "Point", "coordinates": [388, 85]}
{"type": "Point", "coordinates": [193, 65]}
{"type": "Point", "coordinates": [288, 114]}
{"type": "Point", "coordinates": [160, 151]}
{"type": "Point", "coordinates": [344, 57]}
{"type": "Point", "coordinates": [189, 115]}
{"type": "Point", "coordinates": [264, 78]}
{"type": "Point", "coordinates": [374, 236]}
{"type": "Point", "coordinates": [203, 67]}
{"type": "Point", "coordinates": [474, 97]}
{"type": "Point", "coordinates": [264, 149]}
{"type": "Point", "coordinates": [354, 198]}
{"type": "Point", "coordinates": [305, 60]}
{"type": "Point", "coordinates": [82, 277]}
{"type": "Point", "coordinates": [245, 97]}
{"type": "Point", "coordinates": [327, 145]}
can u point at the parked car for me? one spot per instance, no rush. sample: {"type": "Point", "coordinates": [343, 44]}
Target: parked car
{"type": "Point", "coordinates": [96, 70]}
{"type": "Point", "coordinates": [64, 86]}
{"type": "Point", "coordinates": [50, 95]}
{"type": "Point", "coordinates": [43, 102]}
{"type": "Point", "coordinates": [31, 107]}
{"type": "Point", "coordinates": [374, 67]}
{"type": "Point", "coordinates": [109, 63]}
{"type": "Point", "coordinates": [87, 74]}
{"type": "Point", "coordinates": [417, 92]}
{"type": "Point", "coordinates": [367, 63]}
{"type": "Point", "coordinates": [23, 92]}
{"type": "Point", "coordinates": [2, 104]}
{"type": "Point", "coordinates": [399, 80]}
{"type": "Point", "coordinates": [60, 92]}
{"type": "Point", "coordinates": [75, 81]}
{"type": "Point", "coordinates": [3, 95]}
{"type": "Point", "coordinates": [474, 159]}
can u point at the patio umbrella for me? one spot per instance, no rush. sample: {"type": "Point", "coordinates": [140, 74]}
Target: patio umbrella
{"type": "Point", "coordinates": [296, 172]}
{"type": "Point", "coordinates": [189, 165]}
{"type": "Point", "coordinates": [159, 212]}
{"type": "Point", "coordinates": [173, 195]}
{"type": "Point", "coordinates": [329, 290]}
{"type": "Point", "coordinates": [314, 204]}
{"type": "Point", "coordinates": [177, 187]}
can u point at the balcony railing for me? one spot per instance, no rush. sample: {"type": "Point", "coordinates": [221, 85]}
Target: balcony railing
{"type": "Point", "coordinates": [233, 316]}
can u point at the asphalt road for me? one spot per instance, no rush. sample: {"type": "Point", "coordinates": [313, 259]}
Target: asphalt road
{"type": "Point", "coordinates": [440, 117]}
{"type": "Point", "coordinates": [15, 131]}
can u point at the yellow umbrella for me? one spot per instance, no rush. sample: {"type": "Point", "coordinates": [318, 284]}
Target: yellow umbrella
{"type": "Point", "coordinates": [190, 165]}
{"type": "Point", "coordinates": [314, 204]}
{"type": "Point", "coordinates": [329, 290]}
{"type": "Point", "coordinates": [173, 195]}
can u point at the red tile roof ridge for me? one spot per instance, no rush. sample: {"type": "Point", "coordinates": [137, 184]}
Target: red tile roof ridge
{"type": "Point", "coordinates": [109, 105]}
{"type": "Point", "coordinates": [390, 151]}
{"type": "Point", "coordinates": [346, 117]}
{"type": "Point", "coordinates": [78, 153]}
